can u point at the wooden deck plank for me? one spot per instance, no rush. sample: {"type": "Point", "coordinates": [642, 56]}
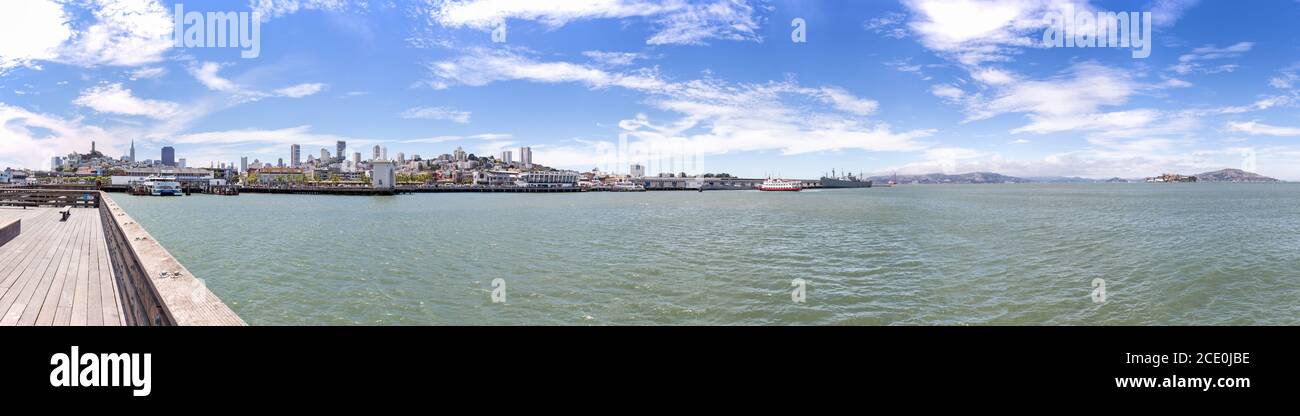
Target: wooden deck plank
{"type": "Point", "coordinates": [22, 285]}
{"type": "Point", "coordinates": [46, 300]}
{"type": "Point", "coordinates": [94, 313]}
{"type": "Point", "coordinates": [15, 255]}
{"type": "Point", "coordinates": [63, 310]}
{"type": "Point", "coordinates": [15, 301]}
{"type": "Point", "coordinates": [58, 273]}
{"type": "Point", "coordinates": [80, 293]}
{"type": "Point", "coordinates": [107, 283]}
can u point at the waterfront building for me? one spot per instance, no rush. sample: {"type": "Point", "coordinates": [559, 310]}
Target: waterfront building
{"type": "Point", "coordinates": [382, 175]}
{"type": "Point", "coordinates": [168, 155]}
{"type": "Point", "coordinates": [279, 175]}
{"type": "Point", "coordinates": [496, 177]}
{"type": "Point", "coordinates": [556, 179]}
{"type": "Point", "coordinates": [186, 176]}
{"type": "Point", "coordinates": [526, 157]}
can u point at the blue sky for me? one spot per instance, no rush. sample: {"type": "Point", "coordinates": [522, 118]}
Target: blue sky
{"type": "Point", "coordinates": [912, 86]}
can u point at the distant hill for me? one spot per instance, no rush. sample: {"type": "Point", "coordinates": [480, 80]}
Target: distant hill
{"type": "Point", "coordinates": [963, 178]}
{"type": "Point", "coordinates": [1225, 175]}
{"type": "Point", "coordinates": [1060, 179]}
{"type": "Point", "coordinates": [1232, 175]}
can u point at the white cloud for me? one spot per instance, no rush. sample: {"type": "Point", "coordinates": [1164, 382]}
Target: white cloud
{"type": "Point", "coordinates": [614, 59]}
{"type": "Point", "coordinates": [484, 66]}
{"type": "Point", "coordinates": [888, 25]}
{"type": "Point", "coordinates": [993, 76]}
{"type": "Point", "coordinates": [677, 21]}
{"type": "Point", "coordinates": [846, 101]}
{"type": "Point", "coordinates": [113, 98]}
{"type": "Point", "coordinates": [976, 31]}
{"type": "Point", "coordinates": [437, 113]}
{"type": "Point", "coordinates": [1066, 101]}
{"type": "Point", "coordinates": [300, 90]}
{"type": "Point", "coordinates": [207, 75]}
{"type": "Point", "coordinates": [30, 31]}
{"type": "Point", "coordinates": [1191, 62]}
{"type": "Point", "coordinates": [716, 117]}
{"type": "Point", "coordinates": [270, 9]}
{"type": "Point", "coordinates": [30, 139]}
{"type": "Point", "coordinates": [145, 73]}
{"type": "Point", "coordinates": [125, 33]}
{"type": "Point", "coordinates": [1256, 128]}
{"type": "Point", "coordinates": [1165, 13]}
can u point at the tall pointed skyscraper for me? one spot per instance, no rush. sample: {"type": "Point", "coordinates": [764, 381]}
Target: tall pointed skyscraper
{"type": "Point", "coordinates": [132, 157]}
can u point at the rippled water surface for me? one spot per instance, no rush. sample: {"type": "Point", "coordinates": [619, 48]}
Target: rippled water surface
{"type": "Point", "coordinates": [919, 255]}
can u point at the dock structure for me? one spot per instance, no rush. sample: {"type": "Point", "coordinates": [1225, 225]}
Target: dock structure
{"type": "Point", "coordinates": [94, 267]}
{"type": "Point", "coordinates": [57, 272]}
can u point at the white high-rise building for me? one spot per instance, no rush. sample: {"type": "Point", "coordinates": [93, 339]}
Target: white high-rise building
{"type": "Point", "coordinates": [507, 157]}
{"type": "Point", "coordinates": [324, 154]}
{"type": "Point", "coordinates": [180, 162]}
{"type": "Point", "coordinates": [375, 155]}
{"type": "Point", "coordinates": [460, 155]}
{"type": "Point", "coordinates": [636, 171]}
{"type": "Point", "coordinates": [526, 157]}
{"type": "Point", "coordinates": [383, 152]}
{"type": "Point", "coordinates": [295, 155]}
{"type": "Point", "coordinates": [356, 158]}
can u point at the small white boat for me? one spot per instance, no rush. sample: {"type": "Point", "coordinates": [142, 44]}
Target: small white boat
{"type": "Point", "coordinates": [162, 186]}
{"type": "Point", "coordinates": [780, 185]}
{"type": "Point", "coordinates": [626, 186]}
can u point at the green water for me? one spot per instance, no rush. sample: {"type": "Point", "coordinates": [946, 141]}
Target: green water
{"type": "Point", "coordinates": [1194, 254]}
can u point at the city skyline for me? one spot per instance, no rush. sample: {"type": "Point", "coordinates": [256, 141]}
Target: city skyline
{"type": "Point", "coordinates": [710, 86]}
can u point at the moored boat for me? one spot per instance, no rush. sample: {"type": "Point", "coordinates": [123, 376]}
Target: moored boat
{"type": "Point", "coordinates": [161, 186]}
{"type": "Point", "coordinates": [780, 185]}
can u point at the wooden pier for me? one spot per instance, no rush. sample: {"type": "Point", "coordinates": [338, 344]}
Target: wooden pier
{"type": "Point", "coordinates": [57, 272]}
{"type": "Point", "coordinates": [96, 267]}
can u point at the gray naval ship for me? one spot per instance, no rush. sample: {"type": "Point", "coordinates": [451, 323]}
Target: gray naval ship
{"type": "Point", "coordinates": [846, 181]}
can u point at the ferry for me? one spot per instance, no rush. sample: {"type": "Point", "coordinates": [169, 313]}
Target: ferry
{"type": "Point", "coordinates": [780, 185]}
{"type": "Point", "coordinates": [162, 186]}
{"type": "Point", "coordinates": [626, 186]}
